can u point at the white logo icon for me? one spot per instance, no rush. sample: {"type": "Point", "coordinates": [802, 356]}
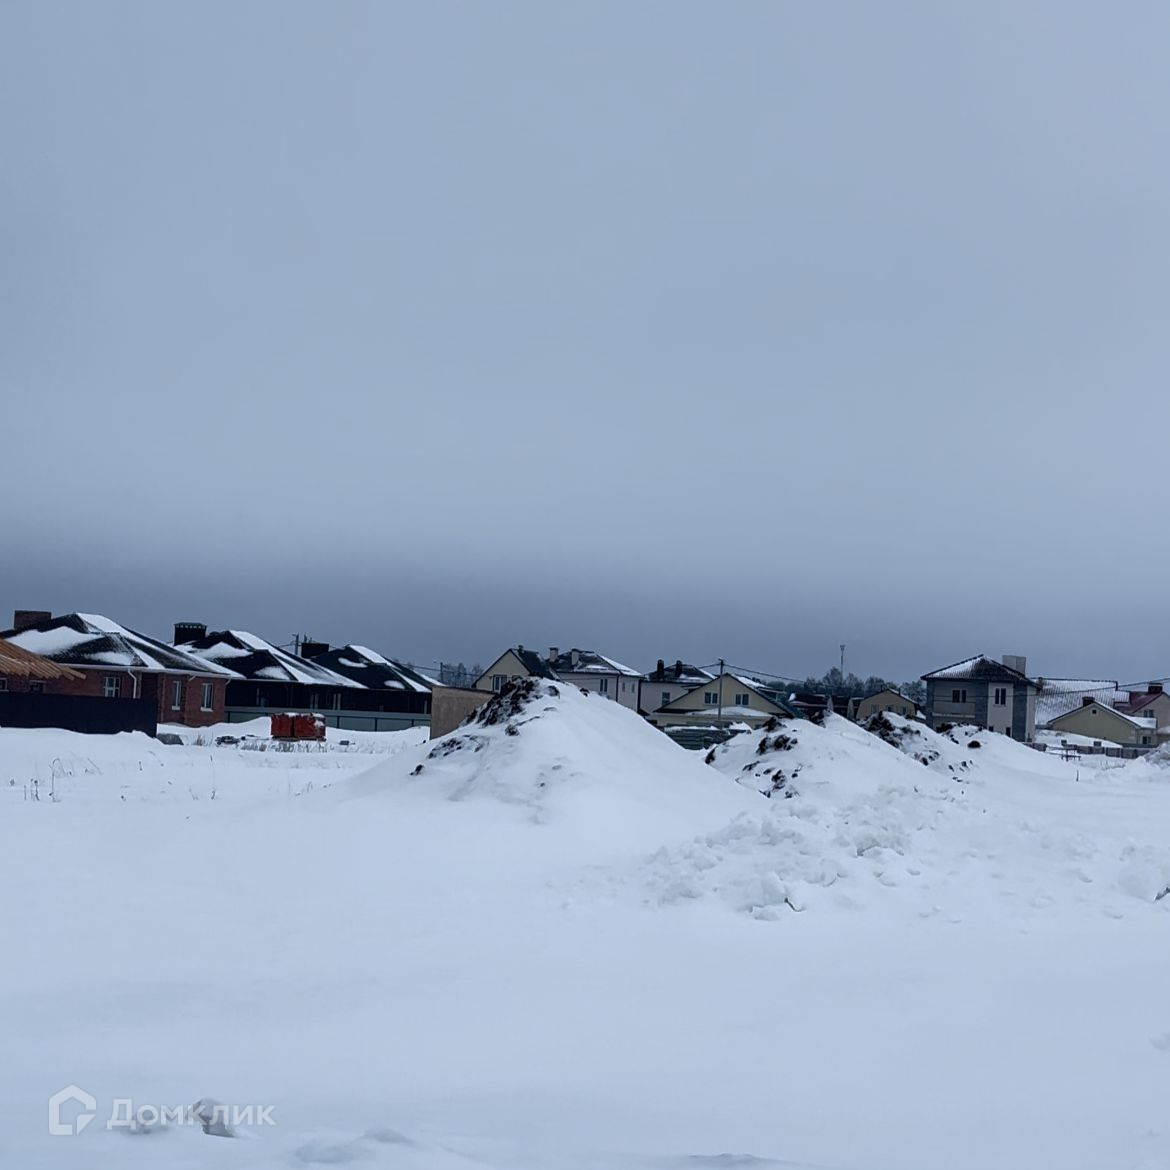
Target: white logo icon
{"type": "Point", "coordinates": [70, 1093]}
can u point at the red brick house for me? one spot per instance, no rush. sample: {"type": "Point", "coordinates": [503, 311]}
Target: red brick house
{"type": "Point", "coordinates": [110, 661]}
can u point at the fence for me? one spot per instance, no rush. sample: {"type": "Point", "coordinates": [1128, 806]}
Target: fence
{"type": "Point", "coordinates": [87, 713]}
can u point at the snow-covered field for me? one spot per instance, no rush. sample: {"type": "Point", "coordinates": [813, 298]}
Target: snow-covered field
{"type": "Point", "coordinates": [557, 941]}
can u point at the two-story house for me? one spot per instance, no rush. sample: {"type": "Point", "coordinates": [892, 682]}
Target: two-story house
{"type": "Point", "coordinates": [665, 685]}
{"type": "Point", "coordinates": [983, 692]}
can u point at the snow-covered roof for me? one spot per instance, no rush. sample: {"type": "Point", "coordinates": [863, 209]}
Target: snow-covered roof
{"type": "Point", "coordinates": [590, 662]}
{"type": "Point", "coordinates": [1058, 696]}
{"type": "Point", "coordinates": [981, 668]}
{"type": "Point", "coordinates": [251, 656]}
{"type": "Point", "coordinates": [1144, 723]}
{"type": "Point", "coordinates": [373, 670]}
{"type": "Point", "coordinates": [91, 639]}
{"type": "Point", "coordinates": [679, 673]}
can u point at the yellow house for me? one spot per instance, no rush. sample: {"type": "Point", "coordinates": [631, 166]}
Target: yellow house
{"type": "Point", "coordinates": [887, 700]}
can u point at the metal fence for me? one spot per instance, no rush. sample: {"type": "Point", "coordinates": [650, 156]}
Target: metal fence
{"type": "Point", "coordinates": [94, 715]}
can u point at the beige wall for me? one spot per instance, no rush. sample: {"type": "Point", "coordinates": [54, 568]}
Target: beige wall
{"type": "Point", "coordinates": [507, 664]}
{"type": "Point", "coordinates": [885, 701]}
{"type": "Point", "coordinates": [652, 693]}
{"type": "Point", "coordinates": [696, 700]}
{"type": "Point", "coordinates": [451, 705]}
{"type": "Point", "coordinates": [1159, 709]}
{"type": "Point", "coordinates": [623, 688]}
{"type": "Point", "coordinates": [1100, 722]}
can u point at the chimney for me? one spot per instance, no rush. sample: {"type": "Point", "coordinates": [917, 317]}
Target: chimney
{"type": "Point", "coordinates": [678, 668]}
{"type": "Point", "coordinates": [24, 619]}
{"type": "Point", "coordinates": [553, 653]}
{"type": "Point", "coordinates": [1016, 662]}
{"type": "Point", "coordinates": [186, 632]}
{"type": "Point", "coordinates": [311, 649]}
{"type": "Point", "coordinates": [1087, 700]}
{"type": "Point", "coordinates": [1154, 689]}
{"type": "Point", "coordinates": [575, 658]}
{"type": "Point", "coordinates": [659, 671]}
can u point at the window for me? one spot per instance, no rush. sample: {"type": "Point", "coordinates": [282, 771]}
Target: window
{"type": "Point", "coordinates": [1145, 739]}
{"type": "Point", "coordinates": [205, 703]}
{"type": "Point", "coordinates": [711, 698]}
{"type": "Point", "coordinates": [958, 696]}
{"type": "Point", "coordinates": [112, 686]}
{"type": "Point", "coordinates": [498, 681]}
{"type": "Point", "coordinates": [176, 695]}
{"type": "Point", "coordinates": [3, 684]}
{"type": "Point", "coordinates": [603, 686]}
{"type": "Point", "coordinates": [36, 688]}
{"type": "Point", "coordinates": [742, 700]}
{"type": "Point", "coordinates": [1001, 696]}
{"type": "Point", "coordinates": [665, 699]}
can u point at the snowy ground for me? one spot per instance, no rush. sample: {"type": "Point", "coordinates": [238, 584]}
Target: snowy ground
{"type": "Point", "coordinates": [574, 945]}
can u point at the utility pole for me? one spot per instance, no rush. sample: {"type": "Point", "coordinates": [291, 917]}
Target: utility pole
{"type": "Point", "coordinates": [721, 692]}
{"type": "Point", "coordinates": [842, 661]}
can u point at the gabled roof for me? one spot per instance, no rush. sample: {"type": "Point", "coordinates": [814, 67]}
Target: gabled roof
{"type": "Point", "coordinates": [775, 697]}
{"type": "Point", "coordinates": [889, 691]}
{"type": "Point", "coordinates": [251, 657]}
{"type": "Point", "coordinates": [17, 662]}
{"type": "Point", "coordinates": [532, 662]}
{"type": "Point", "coordinates": [981, 669]}
{"type": "Point", "coordinates": [1058, 696]}
{"type": "Point", "coordinates": [589, 662]}
{"type": "Point", "coordinates": [1144, 724]}
{"type": "Point", "coordinates": [89, 639]}
{"type": "Point", "coordinates": [679, 673]}
{"type": "Point", "coordinates": [371, 669]}
{"type": "Point", "coordinates": [1134, 706]}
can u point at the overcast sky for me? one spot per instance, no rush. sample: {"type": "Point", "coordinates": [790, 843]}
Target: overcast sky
{"type": "Point", "coordinates": [668, 329]}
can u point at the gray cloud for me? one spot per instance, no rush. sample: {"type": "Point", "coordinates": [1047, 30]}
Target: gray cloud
{"type": "Point", "coordinates": [673, 328]}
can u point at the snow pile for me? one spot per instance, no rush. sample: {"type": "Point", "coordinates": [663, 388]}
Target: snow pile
{"type": "Point", "coordinates": [855, 814]}
{"type": "Point", "coordinates": [557, 754]}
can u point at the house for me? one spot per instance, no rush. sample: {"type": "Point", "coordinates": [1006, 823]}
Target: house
{"type": "Point", "coordinates": [119, 663]}
{"type": "Point", "coordinates": [1101, 721]}
{"type": "Point", "coordinates": [983, 692]}
{"type": "Point", "coordinates": [515, 663]}
{"type": "Point", "coordinates": [887, 700]}
{"type": "Point", "coordinates": [812, 705]}
{"type": "Point", "coordinates": [391, 687]}
{"type": "Point", "coordinates": [1153, 702]}
{"type": "Point", "coordinates": [727, 698]}
{"type": "Point", "coordinates": [585, 669]}
{"type": "Point", "coordinates": [1058, 696]}
{"type": "Point", "coordinates": [273, 679]}
{"type": "Point", "coordinates": [664, 685]}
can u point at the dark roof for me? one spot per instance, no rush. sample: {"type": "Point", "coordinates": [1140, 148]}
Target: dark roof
{"type": "Point", "coordinates": [589, 662]}
{"type": "Point", "coordinates": [373, 670]}
{"type": "Point", "coordinates": [253, 658]}
{"type": "Point", "coordinates": [678, 672]}
{"type": "Point", "coordinates": [89, 639]}
{"type": "Point", "coordinates": [536, 666]}
{"type": "Point", "coordinates": [979, 669]}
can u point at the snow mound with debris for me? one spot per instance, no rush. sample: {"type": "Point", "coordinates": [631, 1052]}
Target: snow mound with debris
{"type": "Point", "coordinates": [560, 756]}
{"type": "Point", "coordinates": [854, 814]}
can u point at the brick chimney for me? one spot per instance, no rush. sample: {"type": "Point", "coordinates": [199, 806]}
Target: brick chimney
{"type": "Point", "coordinates": [24, 619]}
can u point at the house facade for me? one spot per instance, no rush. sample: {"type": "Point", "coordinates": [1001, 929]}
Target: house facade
{"type": "Point", "coordinates": [727, 698]}
{"type": "Point", "coordinates": [886, 701]}
{"type": "Point", "coordinates": [1100, 721]}
{"type": "Point", "coordinates": [1151, 703]}
{"type": "Point", "coordinates": [585, 669]}
{"type": "Point", "coordinates": [515, 663]}
{"type": "Point", "coordinates": [665, 685]}
{"type": "Point", "coordinates": [115, 662]}
{"type": "Point", "coordinates": [980, 691]}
